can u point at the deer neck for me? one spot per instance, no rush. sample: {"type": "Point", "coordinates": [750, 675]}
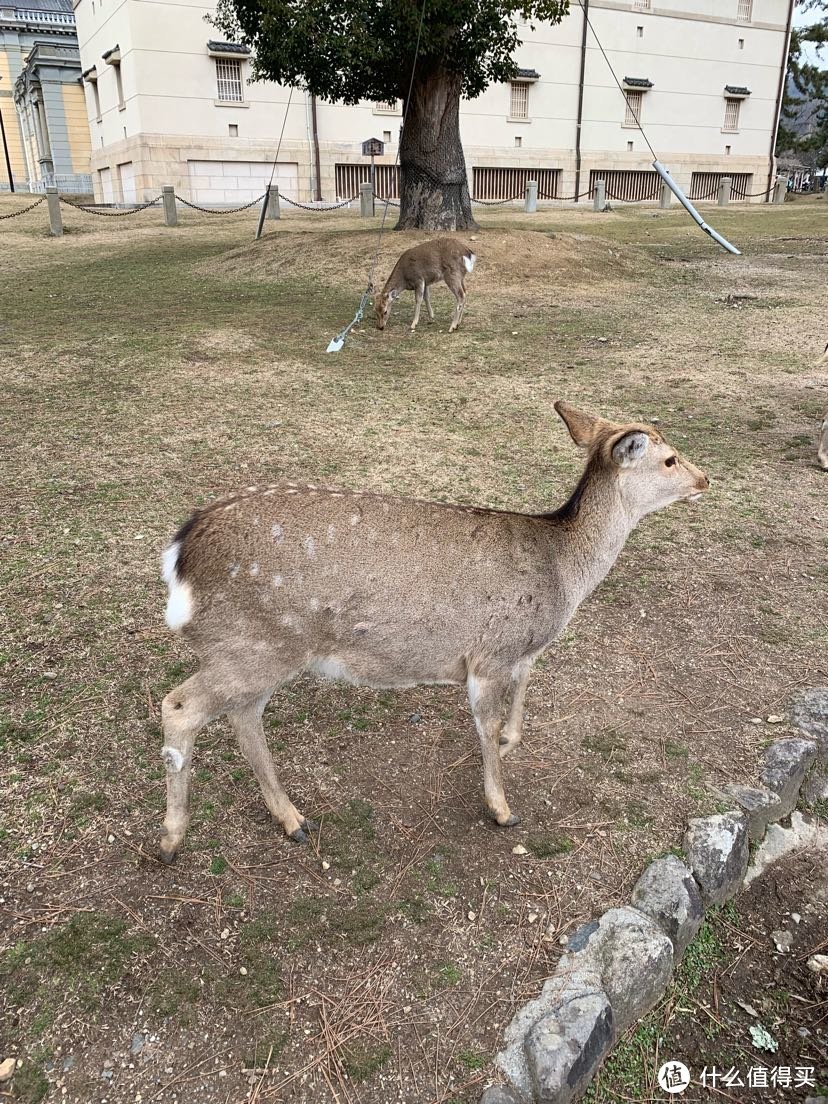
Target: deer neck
{"type": "Point", "coordinates": [589, 532]}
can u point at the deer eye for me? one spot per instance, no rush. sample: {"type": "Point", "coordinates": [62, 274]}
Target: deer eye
{"type": "Point", "coordinates": [668, 463]}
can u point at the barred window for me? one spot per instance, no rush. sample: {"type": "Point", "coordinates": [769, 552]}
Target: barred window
{"type": "Point", "coordinates": [632, 115]}
{"type": "Point", "coordinates": [744, 11]}
{"type": "Point", "coordinates": [229, 77]}
{"type": "Point", "coordinates": [388, 107]}
{"type": "Point", "coordinates": [643, 5]}
{"type": "Point", "coordinates": [731, 118]}
{"type": "Point", "coordinates": [519, 101]}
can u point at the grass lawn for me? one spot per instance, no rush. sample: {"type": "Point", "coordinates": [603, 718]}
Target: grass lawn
{"type": "Point", "coordinates": [148, 370]}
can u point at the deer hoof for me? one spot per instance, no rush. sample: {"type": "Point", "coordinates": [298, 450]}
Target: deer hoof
{"type": "Point", "coordinates": [511, 821]}
{"type": "Point", "coordinates": [299, 836]}
{"type": "Point", "coordinates": [167, 857]}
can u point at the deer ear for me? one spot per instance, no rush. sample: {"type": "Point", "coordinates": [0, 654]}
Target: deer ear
{"type": "Point", "coordinates": [395, 294]}
{"type": "Point", "coordinates": [630, 449]}
{"type": "Point", "coordinates": [582, 426]}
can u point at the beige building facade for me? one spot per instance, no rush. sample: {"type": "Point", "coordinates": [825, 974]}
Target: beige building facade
{"type": "Point", "coordinates": [168, 103]}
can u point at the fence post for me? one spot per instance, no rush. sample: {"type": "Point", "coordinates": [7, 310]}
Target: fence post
{"type": "Point", "coordinates": [272, 209]}
{"type": "Point", "coordinates": [666, 196]}
{"type": "Point", "coordinates": [170, 212]}
{"type": "Point", "coordinates": [599, 200]}
{"type": "Point", "coordinates": [55, 221]}
{"type": "Point", "coordinates": [779, 190]}
{"type": "Point", "coordinates": [530, 203]}
{"type": "Point", "coordinates": [366, 200]}
{"type": "Point", "coordinates": [724, 191]}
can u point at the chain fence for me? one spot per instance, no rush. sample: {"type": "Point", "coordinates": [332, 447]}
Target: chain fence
{"type": "Point", "coordinates": [314, 207]}
{"type": "Point", "coordinates": [220, 210]}
{"type": "Point", "coordinates": [23, 210]}
{"type": "Point", "coordinates": [92, 209]}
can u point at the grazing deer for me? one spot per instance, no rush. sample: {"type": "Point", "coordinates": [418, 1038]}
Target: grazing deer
{"type": "Point", "coordinates": [391, 592]}
{"type": "Point", "coordinates": [822, 447]}
{"type": "Point", "coordinates": [443, 259]}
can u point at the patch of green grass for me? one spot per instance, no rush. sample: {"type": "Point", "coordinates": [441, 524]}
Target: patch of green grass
{"type": "Point", "coordinates": [548, 846]}
{"type": "Point", "coordinates": [608, 745]}
{"type": "Point", "coordinates": [626, 1073]}
{"type": "Point", "coordinates": [437, 882]}
{"type": "Point", "coordinates": [270, 1046]}
{"type": "Point", "coordinates": [362, 1062]}
{"type": "Point", "coordinates": [472, 1059]}
{"type": "Point", "coordinates": [416, 908]}
{"type": "Point", "coordinates": [218, 865]}
{"type": "Point", "coordinates": [701, 956]}
{"type": "Point", "coordinates": [174, 995]}
{"type": "Point", "coordinates": [30, 1083]}
{"type": "Point", "coordinates": [448, 974]}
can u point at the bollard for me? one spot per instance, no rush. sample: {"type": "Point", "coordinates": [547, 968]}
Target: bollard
{"type": "Point", "coordinates": [170, 211]}
{"type": "Point", "coordinates": [530, 203]}
{"type": "Point", "coordinates": [55, 221]}
{"type": "Point", "coordinates": [724, 191]}
{"type": "Point", "coordinates": [272, 209]}
{"type": "Point", "coordinates": [666, 196]}
{"type": "Point", "coordinates": [779, 190]}
{"type": "Point", "coordinates": [599, 200]}
{"type": "Point", "coordinates": [366, 200]}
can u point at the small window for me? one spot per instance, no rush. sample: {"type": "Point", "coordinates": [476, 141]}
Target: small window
{"type": "Point", "coordinates": [727, 151]}
{"type": "Point", "coordinates": [731, 116]}
{"type": "Point", "coordinates": [741, 44]}
{"type": "Point", "coordinates": [639, 32]}
{"type": "Point", "coordinates": [632, 116]}
{"type": "Point", "coordinates": [233, 130]}
{"type": "Point", "coordinates": [93, 84]}
{"type": "Point", "coordinates": [744, 10]}
{"type": "Point", "coordinates": [518, 141]}
{"type": "Point", "coordinates": [386, 137]}
{"type": "Point", "coordinates": [629, 147]}
{"type": "Point", "coordinates": [229, 79]}
{"type": "Point", "coordinates": [519, 100]}
{"type": "Point", "coordinates": [119, 84]}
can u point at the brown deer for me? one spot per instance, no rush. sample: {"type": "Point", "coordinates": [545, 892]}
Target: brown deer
{"type": "Point", "coordinates": [443, 259]}
{"type": "Point", "coordinates": [393, 592]}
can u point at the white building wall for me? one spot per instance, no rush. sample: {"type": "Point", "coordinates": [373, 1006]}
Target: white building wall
{"type": "Point", "coordinates": [689, 49]}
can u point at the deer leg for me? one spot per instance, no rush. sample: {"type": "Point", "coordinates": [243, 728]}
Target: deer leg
{"type": "Point", "coordinates": [487, 697]}
{"type": "Point", "coordinates": [419, 291]}
{"type": "Point", "coordinates": [512, 735]}
{"type": "Point", "coordinates": [246, 722]}
{"type": "Point", "coordinates": [428, 305]}
{"type": "Point", "coordinates": [455, 286]}
{"type": "Point", "coordinates": [184, 711]}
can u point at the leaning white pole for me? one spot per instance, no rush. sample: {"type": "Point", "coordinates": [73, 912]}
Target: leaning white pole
{"type": "Point", "coordinates": [691, 210]}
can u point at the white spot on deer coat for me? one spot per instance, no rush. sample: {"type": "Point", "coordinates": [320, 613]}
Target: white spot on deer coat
{"type": "Point", "coordinates": [234, 570]}
{"type": "Point", "coordinates": [254, 569]}
{"type": "Point", "coordinates": [278, 580]}
{"type": "Point", "coordinates": [356, 519]}
{"type": "Point", "coordinates": [314, 604]}
{"type": "Point", "coordinates": [331, 535]}
{"type": "Point", "coordinates": [277, 532]}
{"type": "Point", "coordinates": [310, 547]}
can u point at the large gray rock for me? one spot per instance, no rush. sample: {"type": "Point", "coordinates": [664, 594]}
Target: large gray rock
{"type": "Point", "coordinates": [636, 961]}
{"type": "Point", "coordinates": [667, 893]}
{"type": "Point", "coordinates": [786, 764]}
{"type": "Point", "coordinates": [815, 786]}
{"type": "Point", "coordinates": [810, 712]}
{"type": "Point", "coordinates": [717, 850]}
{"type": "Point", "coordinates": [565, 1048]}
{"type": "Point", "coordinates": [760, 805]}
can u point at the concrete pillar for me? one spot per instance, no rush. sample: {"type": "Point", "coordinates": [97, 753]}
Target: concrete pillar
{"type": "Point", "coordinates": [724, 191]}
{"type": "Point", "coordinates": [530, 203]}
{"type": "Point", "coordinates": [599, 200]}
{"type": "Point", "coordinates": [666, 197]}
{"type": "Point", "coordinates": [780, 189]}
{"type": "Point", "coordinates": [272, 209]}
{"type": "Point", "coordinates": [55, 221]}
{"type": "Point", "coordinates": [366, 200]}
{"type": "Point", "coordinates": [170, 211]}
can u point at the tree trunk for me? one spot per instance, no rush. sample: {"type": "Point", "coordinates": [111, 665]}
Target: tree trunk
{"type": "Point", "coordinates": [434, 190]}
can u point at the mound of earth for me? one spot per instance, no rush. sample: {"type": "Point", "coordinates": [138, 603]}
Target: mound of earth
{"type": "Point", "coordinates": [506, 258]}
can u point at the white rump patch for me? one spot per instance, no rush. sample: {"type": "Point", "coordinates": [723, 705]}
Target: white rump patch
{"type": "Point", "coordinates": [180, 597]}
{"type": "Point", "coordinates": [473, 687]}
{"type": "Point", "coordinates": [332, 668]}
{"type": "Point", "coordinates": [173, 759]}
{"type": "Point", "coordinates": [470, 261]}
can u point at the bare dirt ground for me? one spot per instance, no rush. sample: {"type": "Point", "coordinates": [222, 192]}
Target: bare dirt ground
{"type": "Point", "coordinates": [146, 371]}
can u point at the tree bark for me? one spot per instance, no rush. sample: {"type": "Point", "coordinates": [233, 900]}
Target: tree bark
{"type": "Point", "coordinates": [434, 189]}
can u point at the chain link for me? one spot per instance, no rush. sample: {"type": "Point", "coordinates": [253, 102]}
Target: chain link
{"type": "Point", "coordinates": [389, 202]}
{"type": "Point", "coordinates": [495, 202]}
{"type": "Point", "coordinates": [223, 210]}
{"type": "Point", "coordinates": [88, 209]}
{"type": "Point", "coordinates": [310, 207]}
{"type": "Point", "coordinates": [566, 199]}
{"type": "Point", "coordinates": [23, 210]}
